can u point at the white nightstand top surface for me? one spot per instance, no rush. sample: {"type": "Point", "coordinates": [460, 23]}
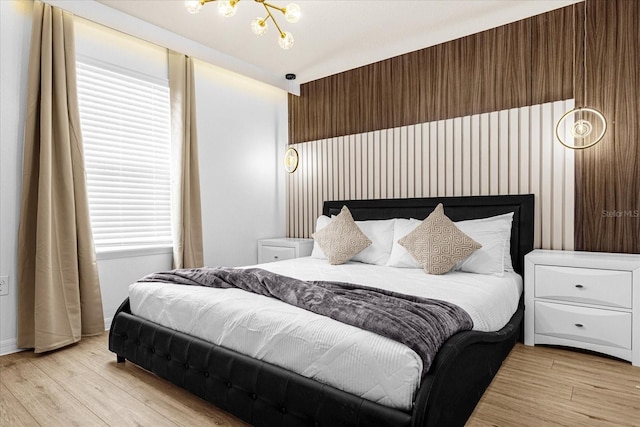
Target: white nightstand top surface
{"type": "Point", "coordinates": [276, 240]}
{"type": "Point", "coordinates": [614, 261]}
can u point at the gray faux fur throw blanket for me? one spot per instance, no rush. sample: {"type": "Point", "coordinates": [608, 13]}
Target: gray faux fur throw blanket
{"type": "Point", "coordinates": [421, 324]}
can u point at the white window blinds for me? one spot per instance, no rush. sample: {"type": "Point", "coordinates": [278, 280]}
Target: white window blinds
{"type": "Point", "coordinates": [125, 121]}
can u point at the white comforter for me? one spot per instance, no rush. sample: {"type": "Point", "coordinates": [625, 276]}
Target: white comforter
{"type": "Point", "coordinates": [348, 358]}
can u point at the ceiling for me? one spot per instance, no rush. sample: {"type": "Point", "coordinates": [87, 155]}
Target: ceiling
{"type": "Point", "coordinates": [331, 36]}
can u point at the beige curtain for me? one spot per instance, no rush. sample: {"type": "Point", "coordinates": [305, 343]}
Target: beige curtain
{"type": "Point", "coordinates": [58, 289]}
{"type": "Point", "coordinates": [186, 210]}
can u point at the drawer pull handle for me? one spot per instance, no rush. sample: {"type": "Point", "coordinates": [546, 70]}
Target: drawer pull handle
{"type": "Point", "coordinates": [275, 257]}
{"type": "Point", "coordinates": [579, 325]}
{"type": "Point", "coordinates": [579, 286]}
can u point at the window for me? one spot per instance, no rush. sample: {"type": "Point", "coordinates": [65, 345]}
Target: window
{"type": "Point", "coordinates": [125, 121]}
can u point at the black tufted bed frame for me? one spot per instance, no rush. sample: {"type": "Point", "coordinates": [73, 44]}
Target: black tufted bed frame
{"type": "Point", "coordinates": [267, 395]}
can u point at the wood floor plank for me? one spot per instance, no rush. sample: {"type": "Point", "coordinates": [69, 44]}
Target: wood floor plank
{"type": "Point", "coordinates": [45, 399]}
{"type": "Point", "coordinates": [178, 404]}
{"type": "Point", "coordinates": [629, 397]}
{"type": "Point", "coordinates": [511, 380]}
{"type": "Point", "coordinates": [12, 413]}
{"type": "Point", "coordinates": [505, 410]}
{"type": "Point", "coordinates": [59, 365]}
{"type": "Point", "coordinates": [620, 407]}
{"type": "Point", "coordinates": [13, 358]}
{"type": "Point", "coordinates": [115, 406]}
{"type": "Point", "coordinates": [597, 374]}
{"type": "Point", "coordinates": [529, 357]}
{"type": "Point", "coordinates": [531, 391]}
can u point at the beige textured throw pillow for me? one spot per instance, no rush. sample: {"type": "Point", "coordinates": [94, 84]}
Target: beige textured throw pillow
{"type": "Point", "coordinates": [437, 244]}
{"type": "Point", "coordinates": [341, 239]}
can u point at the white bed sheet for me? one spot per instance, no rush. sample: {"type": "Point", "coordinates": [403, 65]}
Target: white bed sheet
{"type": "Point", "coordinates": [317, 347]}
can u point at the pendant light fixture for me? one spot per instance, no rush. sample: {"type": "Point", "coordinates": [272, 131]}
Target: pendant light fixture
{"type": "Point", "coordinates": [227, 8]}
{"type": "Point", "coordinates": [582, 127]}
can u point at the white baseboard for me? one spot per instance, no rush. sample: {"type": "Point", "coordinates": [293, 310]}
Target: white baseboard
{"type": "Point", "coordinates": [107, 323]}
{"type": "Point", "coordinates": [9, 346]}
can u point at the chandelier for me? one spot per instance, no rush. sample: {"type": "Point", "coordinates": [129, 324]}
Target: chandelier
{"type": "Point", "coordinates": [227, 8]}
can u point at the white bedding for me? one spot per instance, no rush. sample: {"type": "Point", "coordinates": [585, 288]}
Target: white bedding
{"type": "Point", "coordinates": [348, 358]}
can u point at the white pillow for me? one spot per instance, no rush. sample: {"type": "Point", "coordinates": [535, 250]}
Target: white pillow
{"type": "Point", "coordinates": [494, 233]}
{"type": "Point", "coordinates": [399, 256]}
{"type": "Point", "coordinates": [380, 232]}
{"type": "Point", "coordinates": [321, 223]}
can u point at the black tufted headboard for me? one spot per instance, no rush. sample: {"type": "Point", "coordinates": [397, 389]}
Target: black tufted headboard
{"type": "Point", "coordinates": [456, 208]}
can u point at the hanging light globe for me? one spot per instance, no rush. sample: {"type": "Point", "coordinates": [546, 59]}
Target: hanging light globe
{"type": "Point", "coordinates": [227, 8]}
{"type": "Point", "coordinates": [286, 40]}
{"type": "Point", "coordinates": [259, 27]}
{"type": "Point", "coordinates": [193, 6]}
{"type": "Point", "coordinates": [292, 13]}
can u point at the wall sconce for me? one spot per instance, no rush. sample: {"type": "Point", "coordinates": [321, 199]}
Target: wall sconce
{"type": "Point", "coordinates": [291, 159]}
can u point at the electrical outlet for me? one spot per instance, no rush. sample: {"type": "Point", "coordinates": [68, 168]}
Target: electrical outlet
{"type": "Point", "coordinates": [4, 285]}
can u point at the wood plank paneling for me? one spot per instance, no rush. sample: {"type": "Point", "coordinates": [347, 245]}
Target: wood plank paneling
{"type": "Point", "coordinates": [608, 174]}
{"type": "Point", "coordinates": [525, 63]}
{"type": "Point", "coordinates": [552, 54]}
{"type": "Point", "coordinates": [437, 152]}
{"type": "Point", "coordinates": [453, 79]}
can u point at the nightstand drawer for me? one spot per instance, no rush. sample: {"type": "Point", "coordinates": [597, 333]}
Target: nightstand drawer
{"type": "Point", "coordinates": [602, 327]}
{"type": "Point", "coordinates": [277, 253]}
{"type": "Point", "coordinates": [584, 285]}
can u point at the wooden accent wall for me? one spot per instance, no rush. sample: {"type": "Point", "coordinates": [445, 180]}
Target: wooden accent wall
{"type": "Point", "coordinates": [608, 174]}
{"type": "Point", "coordinates": [524, 63]}
{"type": "Point", "coordinates": [484, 72]}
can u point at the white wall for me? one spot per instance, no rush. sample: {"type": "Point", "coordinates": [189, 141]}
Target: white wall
{"type": "Point", "coordinates": [242, 135]}
{"type": "Point", "coordinates": [242, 129]}
{"type": "Point", "coordinates": [15, 36]}
{"type": "Point", "coordinates": [118, 270]}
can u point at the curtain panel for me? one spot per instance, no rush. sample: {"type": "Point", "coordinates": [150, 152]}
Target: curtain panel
{"type": "Point", "coordinates": [186, 216]}
{"type": "Point", "coordinates": [59, 297]}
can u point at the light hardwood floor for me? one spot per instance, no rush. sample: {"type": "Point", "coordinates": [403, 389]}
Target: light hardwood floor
{"type": "Point", "coordinates": [84, 386]}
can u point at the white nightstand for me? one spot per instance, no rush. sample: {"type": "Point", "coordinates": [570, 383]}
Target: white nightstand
{"type": "Point", "coordinates": [588, 300]}
{"type": "Point", "coordinates": [282, 248]}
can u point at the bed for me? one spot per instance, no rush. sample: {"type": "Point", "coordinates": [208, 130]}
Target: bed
{"type": "Point", "coordinates": [263, 393]}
